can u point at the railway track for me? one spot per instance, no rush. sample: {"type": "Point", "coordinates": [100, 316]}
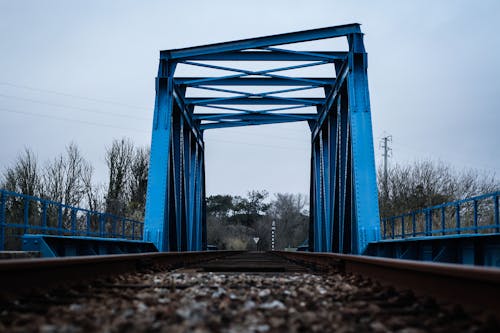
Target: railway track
{"type": "Point", "coordinates": [225, 291]}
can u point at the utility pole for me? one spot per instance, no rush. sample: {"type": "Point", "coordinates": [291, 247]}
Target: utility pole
{"type": "Point", "coordinates": [384, 144]}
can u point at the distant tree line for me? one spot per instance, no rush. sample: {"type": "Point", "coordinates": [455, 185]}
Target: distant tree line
{"type": "Point", "coordinates": [426, 183]}
{"type": "Point", "coordinates": [233, 221]}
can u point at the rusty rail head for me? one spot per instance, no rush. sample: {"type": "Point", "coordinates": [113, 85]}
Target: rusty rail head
{"type": "Point", "coordinates": [475, 288]}
{"type": "Point", "coordinates": [22, 276]}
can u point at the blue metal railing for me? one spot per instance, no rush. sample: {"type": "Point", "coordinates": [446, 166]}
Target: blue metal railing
{"type": "Point", "coordinates": [474, 215]}
{"type": "Point", "coordinates": [23, 214]}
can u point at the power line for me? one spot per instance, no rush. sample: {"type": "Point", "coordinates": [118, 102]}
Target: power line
{"type": "Point", "coordinates": [258, 145]}
{"type": "Point", "coordinates": [137, 130]}
{"type": "Point", "coordinates": [72, 107]}
{"type": "Point", "coordinates": [70, 95]}
{"type": "Point", "coordinates": [69, 120]}
{"type": "Point", "coordinates": [106, 112]}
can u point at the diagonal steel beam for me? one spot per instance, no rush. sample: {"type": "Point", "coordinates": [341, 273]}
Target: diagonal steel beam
{"type": "Point", "coordinates": [246, 123]}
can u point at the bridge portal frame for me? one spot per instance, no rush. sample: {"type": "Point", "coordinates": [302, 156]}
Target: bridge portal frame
{"type": "Point", "coordinates": [344, 215]}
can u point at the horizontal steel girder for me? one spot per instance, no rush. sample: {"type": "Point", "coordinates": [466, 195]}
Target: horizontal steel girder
{"type": "Point", "coordinates": [254, 81]}
{"type": "Point", "coordinates": [270, 56]}
{"type": "Point", "coordinates": [255, 116]}
{"type": "Point", "coordinates": [223, 124]}
{"type": "Point", "coordinates": [255, 101]}
{"type": "Point", "coordinates": [259, 42]}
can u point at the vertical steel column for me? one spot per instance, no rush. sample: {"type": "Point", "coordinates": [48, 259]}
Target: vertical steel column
{"type": "Point", "coordinates": [326, 188]}
{"type": "Point", "coordinates": [332, 172]}
{"type": "Point", "coordinates": [189, 180]}
{"type": "Point", "coordinates": [174, 203]}
{"type": "Point", "coordinates": [197, 199]}
{"type": "Point", "coordinates": [365, 224]}
{"type": "Point", "coordinates": [203, 204]}
{"type": "Point", "coordinates": [201, 221]}
{"type": "Point", "coordinates": [156, 228]}
{"type": "Point", "coordinates": [318, 218]}
{"type": "Point", "coordinates": [312, 204]}
{"type": "Point", "coordinates": [3, 221]}
{"type": "Point", "coordinates": [344, 199]}
{"type": "Point", "coordinates": [344, 190]}
{"type": "Point", "coordinates": [178, 177]}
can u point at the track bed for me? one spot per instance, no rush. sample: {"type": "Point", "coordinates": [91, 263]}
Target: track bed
{"type": "Point", "coordinates": [193, 299]}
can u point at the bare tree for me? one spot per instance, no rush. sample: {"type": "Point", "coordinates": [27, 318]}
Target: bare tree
{"type": "Point", "coordinates": [138, 183]}
{"type": "Point", "coordinates": [24, 176]}
{"type": "Point", "coordinates": [62, 180]}
{"type": "Point", "coordinates": [291, 219]}
{"type": "Point", "coordinates": [119, 160]}
{"type": "Point", "coordinates": [93, 194]}
{"type": "Point", "coordinates": [74, 187]}
{"type": "Point", "coordinates": [427, 183]}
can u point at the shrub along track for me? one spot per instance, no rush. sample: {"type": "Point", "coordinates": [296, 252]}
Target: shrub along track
{"type": "Point", "coordinates": [227, 292]}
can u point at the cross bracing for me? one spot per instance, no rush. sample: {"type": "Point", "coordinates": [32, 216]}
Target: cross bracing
{"type": "Point", "coordinates": [265, 80]}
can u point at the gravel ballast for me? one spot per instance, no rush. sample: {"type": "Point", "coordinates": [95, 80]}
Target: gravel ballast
{"type": "Point", "coordinates": [190, 301]}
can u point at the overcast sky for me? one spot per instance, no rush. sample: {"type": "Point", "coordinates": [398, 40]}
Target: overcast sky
{"type": "Point", "coordinates": [84, 71]}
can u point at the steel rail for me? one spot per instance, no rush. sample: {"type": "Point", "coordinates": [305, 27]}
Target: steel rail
{"type": "Point", "coordinates": [22, 276]}
{"type": "Point", "coordinates": [475, 288]}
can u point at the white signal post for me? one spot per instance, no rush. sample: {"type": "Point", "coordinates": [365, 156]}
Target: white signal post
{"type": "Point", "coordinates": [273, 228]}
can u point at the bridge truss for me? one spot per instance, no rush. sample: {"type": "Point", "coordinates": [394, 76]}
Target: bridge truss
{"type": "Point", "coordinates": [258, 81]}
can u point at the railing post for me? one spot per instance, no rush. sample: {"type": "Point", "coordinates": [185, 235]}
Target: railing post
{"type": "Point", "coordinates": [457, 207]}
{"type": "Point", "coordinates": [392, 228]}
{"type": "Point", "coordinates": [26, 214]}
{"type": "Point", "coordinates": [88, 223]}
{"type": "Point", "coordinates": [59, 220]}
{"type": "Point", "coordinates": [2, 220]}
{"type": "Point", "coordinates": [73, 221]}
{"type": "Point", "coordinates": [443, 221]}
{"type": "Point", "coordinates": [402, 226]}
{"type": "Point", "coordinates": [113, 226]}
{"type": "Point", "coordinates": [44, 216]}
{"type": "Point", "coordinates": [414, 224]}
{"type": "Point", "coordinates": [384, 228]}
{"type": "Point", "coordinates": [497, 214]}
{"type": "Point", "coordinates": [428, 222]}
{"type": "Point", "coordinates": [476, 229]}
{"type": "Point", "coordinates": [123, 227]}
{"type": "Point", "coordinates": [133, 230]}
{"type": "Point", "coordinates": [101, 225]}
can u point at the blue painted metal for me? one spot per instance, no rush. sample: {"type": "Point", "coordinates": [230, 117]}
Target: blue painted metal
{"type": "Point", "coordinates": [23, 214]}
{"type": "Point", "coordinates": [463, 231]}
{"type": "Point", "coordinates": [65, 246]}
{"type": "Point", "coordinates": [344, 203]}
{"type": "Point", "coordinates": [260, 42]}
{"type": "Point", "coordinates": [255, 81]}
{"type": "Point", "coordinates": [470, 249]}
{"type": "Point", "coordinates": [277, 55]}
{"type": "Point", "coordinates": [478, 214]}
{"type": "Point", "coordinates": [344, 184]}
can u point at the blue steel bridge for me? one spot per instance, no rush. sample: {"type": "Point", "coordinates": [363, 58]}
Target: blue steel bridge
{"type": "Point", "coordinates": [253, 82]}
